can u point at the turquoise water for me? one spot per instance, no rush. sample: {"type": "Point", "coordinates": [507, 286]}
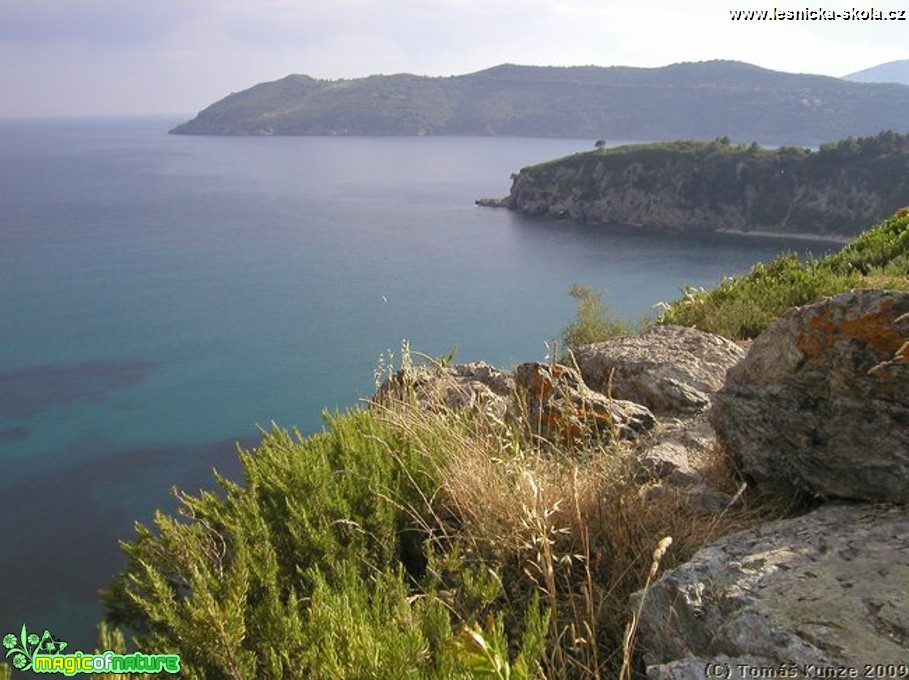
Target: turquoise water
{"type": "Point", "coordinates": [164, 296]}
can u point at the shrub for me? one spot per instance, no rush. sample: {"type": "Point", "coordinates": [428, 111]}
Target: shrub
{"type": "Point", "coordinates": [248, 582]}
{"type": "Point", "coordinates": [882, 250]}
{"type": "Point", "coordinates": [593, 320]}
{"type": "Point", "coordinates": [314, 567]}
{"type": "Point", "coordinates": [742, 307]}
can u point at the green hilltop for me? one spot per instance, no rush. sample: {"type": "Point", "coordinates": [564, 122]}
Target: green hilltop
{"type": "Point", "coordinates": [689, 100]}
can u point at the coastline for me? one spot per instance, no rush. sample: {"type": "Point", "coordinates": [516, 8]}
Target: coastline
{"type": "Point", "coordinates": [757, 233]}
{"type": "Point", "coordinates": [487, 202]}
{"type": "Point", "coordinates": [794, 235]}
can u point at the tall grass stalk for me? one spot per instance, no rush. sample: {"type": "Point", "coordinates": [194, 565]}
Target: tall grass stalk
{"type": "Point", "coordinates": [573, 528]}
{"type": "Point", "coordinates": [628, 640]}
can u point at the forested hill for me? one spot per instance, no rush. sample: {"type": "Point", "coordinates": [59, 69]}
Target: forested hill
{"type": "Point", "coordinates": [717, 186]}
{"type": "Point", "coordinates": [683, 101]}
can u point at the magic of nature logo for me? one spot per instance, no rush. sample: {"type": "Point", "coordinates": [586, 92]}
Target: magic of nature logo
{"type": "Point", "coordinates": [44, 654]}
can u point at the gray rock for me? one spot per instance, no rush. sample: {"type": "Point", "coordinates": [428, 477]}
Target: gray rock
{"type": "Point", "coordinates": [664, 460]}
{"type": "Point", "coordinates": [493, 202]}
{"type": "Point", "coordinates": [630, 419]}
{"type": "Point", "coordinates": [668, 369]}
{"type": "Point", "coordinates": [674, 451]}
{"type": "Point", "coordinates": [697, 496]}
{"type": "Point", "coordinates": [671, 464]}
{"type": "Point", "coordinates": [829, 589]}
{"type": "Point", "coordinates": [821, 402]}
{"type": "Point", "coordinates": [551, 400]}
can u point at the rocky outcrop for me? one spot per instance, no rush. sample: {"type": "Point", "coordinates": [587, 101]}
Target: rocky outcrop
{"type": "Point", "coordinates": [690, 186]}
{"type": "Point", "coordinates": [560, 408]}
{"type": "Point", "coordinates": [821, 402]}
{"type": "Point", "coordinates": [492, 202]}
{"type": "Point", "coordinates": [475, 386]}
{"type": "Point", "coordinates": [829, 590]}
{"type": "Point", "coordinates": [550, 402]}
{"type": "Point", "coordinates": [670, 369]}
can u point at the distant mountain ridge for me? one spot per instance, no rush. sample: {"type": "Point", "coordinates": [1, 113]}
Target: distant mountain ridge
{"type": "Point", "coordinates": [891, 72]}
{"type": "Point", "coordinates": [701, 100]}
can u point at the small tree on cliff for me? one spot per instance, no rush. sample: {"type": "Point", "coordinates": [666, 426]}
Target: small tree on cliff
{"type": "Point", "coordinates": [593, 320]}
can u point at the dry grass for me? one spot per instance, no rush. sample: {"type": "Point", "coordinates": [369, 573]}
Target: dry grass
{"type": "Point", "coordinates": [573, 527]}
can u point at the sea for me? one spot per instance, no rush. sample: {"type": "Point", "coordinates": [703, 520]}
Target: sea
{"type": "Point", "coordinates": [165, 298]}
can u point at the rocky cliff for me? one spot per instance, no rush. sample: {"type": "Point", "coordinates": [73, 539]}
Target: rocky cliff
{"type": "Point", "coordinates": [834, 191]}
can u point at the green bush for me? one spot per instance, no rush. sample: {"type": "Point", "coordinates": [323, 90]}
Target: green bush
{"type": "Point", "coordinates": [742, 307]}
{"type": "Point", "coordinates": [315, 567]}
{"type": "Point", "coordinates": [593, 320]}
{"type": "Point", "coordinates": [241, 585]}
{"type": "Point", "coordinates": [882, 250]}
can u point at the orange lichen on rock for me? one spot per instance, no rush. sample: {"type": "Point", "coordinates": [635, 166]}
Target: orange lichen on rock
{"type": "Point", "coordinates": [876, 331]}
{"type": "Point", "coordinates": [832, 422]}
{"type": "Point", "coordinates": [561, 408]}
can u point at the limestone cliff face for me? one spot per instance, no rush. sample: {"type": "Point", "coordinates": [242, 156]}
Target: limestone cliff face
{"type": "Point", "coordinates": [719, 187]}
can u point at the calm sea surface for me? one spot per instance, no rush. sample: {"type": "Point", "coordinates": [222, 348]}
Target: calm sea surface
{"type": "Point", "coordinates": [161, 297]}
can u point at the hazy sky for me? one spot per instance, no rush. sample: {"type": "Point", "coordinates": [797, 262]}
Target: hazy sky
{"type": "Point", "coordinates": [64, 57]}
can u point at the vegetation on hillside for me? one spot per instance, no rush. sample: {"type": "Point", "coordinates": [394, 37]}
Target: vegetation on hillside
{"type": "Point", "coordinates": [741, 307]}
{"type": "Point", "coordinates": [690, 185]}
{"type": "Point", "coordinates": [696, 100]}
{"type": "Point", "coordinates": [406, 542]}
{"type": "Point", "coordinates": [593, 321]}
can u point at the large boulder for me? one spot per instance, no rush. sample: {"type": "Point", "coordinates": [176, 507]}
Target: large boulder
{"type": "Point", "coordinates": [669, 369]}
{"type": "Point", "coordinates": [823, 591]}
{"type": "Point", "coordinates": [821, 402]}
